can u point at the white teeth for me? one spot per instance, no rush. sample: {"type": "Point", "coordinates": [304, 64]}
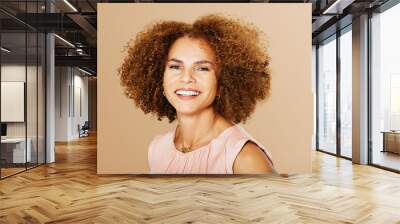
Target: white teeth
{"type": "Point", "coordinates": [187, 93]}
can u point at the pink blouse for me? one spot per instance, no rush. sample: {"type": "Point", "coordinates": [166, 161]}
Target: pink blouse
{"type": "Point", "coordinates": [215, 158]}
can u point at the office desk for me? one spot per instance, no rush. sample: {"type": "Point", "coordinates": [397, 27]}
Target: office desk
{"type": "Point", "coordinates": [13, 150]}
{"type": "Point", "coordinates": [391, 141]}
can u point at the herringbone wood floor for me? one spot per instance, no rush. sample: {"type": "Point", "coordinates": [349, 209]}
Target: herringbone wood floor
{"type": "Point", "coordinates": [69, 191]}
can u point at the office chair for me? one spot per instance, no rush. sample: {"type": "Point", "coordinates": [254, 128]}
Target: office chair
{"type": "Point", "coordinates": [84, 130]}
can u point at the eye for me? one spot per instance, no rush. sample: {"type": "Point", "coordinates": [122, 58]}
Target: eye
{"type": "Point", "coordinates": [175, 67]}
{"type": "Point", "coordinates": [203, 68]}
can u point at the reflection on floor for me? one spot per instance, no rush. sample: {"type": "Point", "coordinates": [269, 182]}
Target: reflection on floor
{"type": "Point", "coordinates": [387, 159]}
{"type": "Point", "coordinates": [11, 169]}
{"type": "Point", "coordinates": [70, 191]}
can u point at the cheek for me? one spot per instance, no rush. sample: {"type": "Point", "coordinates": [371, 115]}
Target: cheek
{"type": "Point", "coordinates": [212, 84]}
{"type": "Point", "coordinates": [167, 81]}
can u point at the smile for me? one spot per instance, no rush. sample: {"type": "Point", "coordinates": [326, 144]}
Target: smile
{"type": "Point", "coordinates": [187, 92]}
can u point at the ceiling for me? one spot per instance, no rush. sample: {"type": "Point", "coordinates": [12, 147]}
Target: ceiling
{"type": "Point", "coordinates": [76, 22]}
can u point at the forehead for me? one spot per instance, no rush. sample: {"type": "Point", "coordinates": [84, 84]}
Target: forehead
{"type": "Point", "coordinates": [191, 48]}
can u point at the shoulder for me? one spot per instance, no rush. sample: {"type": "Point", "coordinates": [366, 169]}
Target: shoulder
{"type": "Point", "coordinates": [245, 155]}
{"type": "Point", "coordinates": [160, 139]}
{"type": "Point", "coordinates": [155, 152]}
{"type": "Point", "coordinates": [252, 159]}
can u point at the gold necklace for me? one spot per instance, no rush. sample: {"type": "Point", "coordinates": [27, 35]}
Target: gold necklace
{"type": "Point", "coordinates": [185, 149]}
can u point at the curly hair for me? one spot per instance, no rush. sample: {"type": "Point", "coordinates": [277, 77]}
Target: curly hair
{"type": "Point", "coordinates": [243, 71]}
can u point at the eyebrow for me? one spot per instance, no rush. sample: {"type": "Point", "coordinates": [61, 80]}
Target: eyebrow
{"type": "Point", "coordinates": [197, 62]}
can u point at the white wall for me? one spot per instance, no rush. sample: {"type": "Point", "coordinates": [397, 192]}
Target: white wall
{"type": "Point", "coordinates": [62, 81]}
{"type": "Point", "coordinates": [71, 87]}
{"type": "Point", "coordinates": [80, 84]}
{"type": "Point", "coordinates": [12, 101]}
{"type": "Point", "coordinates": [33, 127]}
{"type": "Point", "coordinates": [16, 72]}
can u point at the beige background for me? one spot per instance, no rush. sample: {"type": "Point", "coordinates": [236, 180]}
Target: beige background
{"type": "Point", "coordinates": [283, 123]}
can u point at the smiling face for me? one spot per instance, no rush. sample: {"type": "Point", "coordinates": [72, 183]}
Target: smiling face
{"type": "Point", "coordinates": [190, 82]}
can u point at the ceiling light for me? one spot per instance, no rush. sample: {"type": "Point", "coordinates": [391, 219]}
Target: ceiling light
{"type": "Point", "coordinates": [5, 50]}
{"type": "Point", "coordinates": [84, 71]}
{"type": "Point", "coordinates": [70, 5]}
{"type": "Point", "coordinates": [338, 6]}
{"type": "Point", "coordinates": [65, 41]}
{"type": "Point", "coordinates": [79, 51]}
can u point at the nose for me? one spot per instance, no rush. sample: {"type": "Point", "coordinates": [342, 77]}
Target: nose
{"type": "Point", "coordinates": [187, 76]}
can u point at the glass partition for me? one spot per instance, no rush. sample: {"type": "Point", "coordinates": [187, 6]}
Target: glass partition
{"type": "Point", "coordinates": [31, 100]}
{"type": "Point", "coordinates": [346, 93]}
{"type": "Point", "coordinates": [41, 85]}
{"type": "Point", "coordinates": [22, 88]}
{"type": "Point", "coordinates": [32, 84]}
{"type": "Point", "coordinates": [385, 89]}
{"type": "Point", "coordinates": [327, 95]}
{"type": "Point", "coordinates": [13, 95]}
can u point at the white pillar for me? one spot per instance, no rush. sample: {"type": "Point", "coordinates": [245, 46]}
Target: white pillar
{"type": "Point", "coordinates": [50, 99]}
{"type": "Point", "coordinates": [50, 92]}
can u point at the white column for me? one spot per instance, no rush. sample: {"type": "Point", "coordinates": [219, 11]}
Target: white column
{"type": "Point", "coordinates": [50, 100]}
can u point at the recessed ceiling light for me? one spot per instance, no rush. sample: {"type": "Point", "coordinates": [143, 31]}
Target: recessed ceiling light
{"type": "Point", "coordinates": [5, 50]}
{"type": "Point", "coordinates": [64, 40]}
{"type": "Point", "coordinates": [337, 7]}
{"type": "Point", "coordinates": [70, 5]}
{"type": "Point", "coordinates": [84, 71]}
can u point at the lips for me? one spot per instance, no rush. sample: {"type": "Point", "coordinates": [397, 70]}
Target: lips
{"type": "Point", "coordinates": [187, 93]}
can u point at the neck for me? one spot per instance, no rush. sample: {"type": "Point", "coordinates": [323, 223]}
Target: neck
{"type": "Point", "coordinates": [194, 129]}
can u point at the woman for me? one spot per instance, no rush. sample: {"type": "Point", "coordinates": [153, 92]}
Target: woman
{"type": "Point", "coordinates": [208, 76]}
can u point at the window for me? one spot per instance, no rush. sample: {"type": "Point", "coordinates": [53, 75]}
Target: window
{"type": "Point", "coordinates": [346, 92]}
{"type": "Point", "coordinates": [385, 88]}
{"type": "Point", "coordinates": [327, 95]}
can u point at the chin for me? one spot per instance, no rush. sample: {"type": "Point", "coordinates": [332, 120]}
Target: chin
{"type": "Point", "coordinates": [190, 107]}
{"type": "Point", "coordinates": [187, 111]}
{"type": "Point", "coordinates": [190, 110]}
